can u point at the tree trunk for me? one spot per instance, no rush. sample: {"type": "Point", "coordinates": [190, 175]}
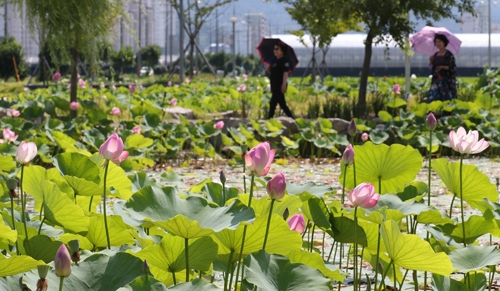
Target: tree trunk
{"type": "Point", "coordinates": [74, 79]}
{"type": "Point", "coordinates": [191, 59]}
{"type": "Point", "coordinates": [363, 82]}
{"type": "Point", "coordinates": [313, 72]}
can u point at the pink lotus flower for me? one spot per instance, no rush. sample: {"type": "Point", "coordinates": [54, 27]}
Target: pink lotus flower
{"type": "Point", "coordinates": [169, 83]}
{"type": "Point", "coordinates": [176, 85]}
{"type": "Point", "coordinates": [112, 149]}
{"type": "Point", "coordinates": [258, 160]}
{"type": "Point", "coordinates": [113, 87]}
{"type": "Point", "coordinates": [9, 135]}
{"type": "Point", "coordinates": [219, 125]}
{"type": "Point", "coordinates": [56, 77]}
{"type": "Point", "coordinates": [136, 129]}
{"type": "Point", "coordinates": [467, 143]}
{"type": "Point", "coordinates": [26, 152]}
{"type": "Point", "coordinates": [364, 136]}
{"type": "Point", "coordinates": [245, 77]}
{"type": "Point", "coordinates": [81, 83]}
{"type": "Point", "coordinates": [363, 196]}
{"type": "Point", "coordinates": [26, 89]}
{"type": "Point", "coordinates": [352, 130]}
{"type": "Point", "coordinates": [276, 187]}
{"type": "Point", "coordinates": [2, 141]}
{"type": "Point", "coordinates": [348, 156]}
{"type": "Point", "coordinates": [396, 89]}
{"type": "Point", "coordinates": [116, 111]}
{"type": "Point", "coordinates": [14, 113]}
{"type": "Point", "coordinates": [62, 262]}
{"type": "Point", "coordinates": [297, 223]}
{"type": "Point", "coordinates": [74, 105]}
{"type": "Point", "coordinates": [132, 88]}
{"type": "Point", "coordinates": [242, 88]}
{"type": "Point", "coordinates": [431, 121]}
{"type": "Point", "coordinates": [173, 102]}
{"type": "Point", "coordinates": [187, 81]}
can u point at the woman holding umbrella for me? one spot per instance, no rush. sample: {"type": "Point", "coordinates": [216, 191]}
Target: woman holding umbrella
{"type": "Point", "coordinates": [443, 67]}
{"type": "Point", "coordinates": [278, 70]}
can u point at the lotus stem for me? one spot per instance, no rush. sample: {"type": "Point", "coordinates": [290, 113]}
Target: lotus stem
{"type": "Point", "coordinates": [90, 204]}
{"type": "Point", "coordinates": [104, 208]}
{"type": "Point", "coordinates": [342, 199]}
{"type": "Point", "coordinates": [223, 194]}
{"type": "Point", "coordinates": [244, 234]}
{"type": "Point", "coordinates": [186, 252]}
{"type": "Point", "coordinates": [40, 228]}
{"type": "Point", "coordinates": [23, 204]}
{"type": "Point", "coordinates": [13, 220]}
{"type": "Point", "coordinates": [229, 264]}
{"type": "Point", "coordinates": [462, 200]}
{"type": "Point", "coordinates": [382, 282]}
{"type": "Point", "coordinates": [268, 223]}
{"type": "Point", "coordinates": [312, 238]}
{"type": "Point", "coordinates": [355, 276]}
{"type": "Point", "coordinates": [173, 278]}
{"type": "Point", "coordinates": [61, 281]}
{"type": "Point", "coordinates": [451, 205]}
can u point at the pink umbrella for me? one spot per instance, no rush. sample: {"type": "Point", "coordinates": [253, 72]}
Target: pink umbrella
{"type": "Point", "coordinates": [423, 41]}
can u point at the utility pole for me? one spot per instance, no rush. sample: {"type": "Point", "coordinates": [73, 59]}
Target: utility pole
{"type": "Point", "coordinates": [216, 30]}
{"type": "Point", "coordinates": [248, 34]}
{"type": "Point", "coordinates": [171, 35]}
{"type": "Point", "coordinates": [6, 32]}
{"type": "Point", "coordinates": [166, 34]}
{"type": "Point", "coordinates": [181, 41]}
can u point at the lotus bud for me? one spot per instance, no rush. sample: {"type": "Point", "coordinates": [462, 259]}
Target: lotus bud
{"type": "Point", "coordinates": [116, 111]}
{"type": "Point", "coordinates": [62, 262]}
{"type": "Point", "coordinates": [431, 122]}
{"type": "Point", "coordinates": [112, 149]}
{"type": "Point", "coordinates": [364, 136]}
{"type": "Point", "coordinates": [364, 196]}
{"type": "Point", "coordinates": [73, 106]}
{"type": "Point", "coordinates": [396, 89]}
{"type": "Point", "coordinates": [145, 267]}
{"type": "Point", "coordinates": [258, 160]}
{"type": "Point", "coordinates": [222, 177]}
{"type": "Point", "coordinates": [351, 130]}
{"type": "Point", "coordinates": [26, 152]}
{"type": "Point", "coordinates": [219, 125]}
{"type": "Point", "coordinates": [297, 223]}
{"type": "Point", "coordinates": [136, 129]}
{"type": "Point", "coordinates": [276, 187]}
{"type": "Point", "coordinates": [286, 213]}
{"type": "Point", "coordinates": [348, 156]}
{"type": "Point", "coordinates": [56, 77]}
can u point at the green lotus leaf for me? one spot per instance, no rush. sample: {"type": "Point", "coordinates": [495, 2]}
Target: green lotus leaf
{"type": "Point", "coordinates": [189, 218]}
{"type": "Point", "coordinates": [394, 165]}
{"type": "Point", "coordinates": [138, 141]}
{"type": "Point", "coordinates": [433, 216]}
{"type": "Point", "coordinates": [194, 285]}
{"type": "Point", "coordinates": [309, 187]}
{"type": "Point", "coordinates": [395, 102]}
{"type": "Point", "coordinates": [7, 163]}
{"type": "Point", "coordinates": [316, 210]}
{"type": "Point", "coordinates": [411, 252]}
{"type": "Point", "coordinates": [384, 116]}
{"type": "Point", "coordinates": [281, 240]}
{"type": "Point", "coordinates": [64, 141]}
{"type": "Point", "coordinates": [85, 244]}
{"type": "Point", "coordinates": [475, 187]}
{"type": "Point", "coordinates": [346, 231]}
{"type": "Point", "coordinates": [261, 206]}
{"type": "Point", "coordinates": [17, 264]}
{"type": "Point", "coordinates": [32, 178]}
{"type": "Point", "coordinates": [117, 179]}
{"type": "Point", "coordinates": [141, 180]}
{"type": "Point", "coordinates": [372, 231]}
{"type": "Point", "coordinates": [378, 136]}
{"type": "Point", "coordinates": [42, 247]}
{"type": "Point", "coordinates": [397, 209]}
{"type": "Point", "coordinates": [474, 258]}
{"type": "Point", "coordinates": [83, 187]}
{"type": "Point", "coordinates": [281, 274]}
{"type": "Point", "coordinates": [60, 210]}
{"type": "Point", "coordinates": [118, 231]}
{"type": "Point", "coordinates": [475, 226]}
{"type": "Point", "coordinates": [170, 256]}
{"type": "Point", "coordinates": [6, 233]}
{"type": "Point", "coordinates": [144, 283]}
{"type": "Point", "coordinates": [214, 193]}
{"type": "Point", "coordinates": [442, 283]}
{"type": "Point", "coordinates": [315, 261]}
{"type": "Point", "coordinates": [77, 165]}
{"type": "Point", "coordinates": [384, 262]}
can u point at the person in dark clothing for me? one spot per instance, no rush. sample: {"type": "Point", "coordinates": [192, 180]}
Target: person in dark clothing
{"type": "Point", "coordinates": [443, 67]}
{"type": "Point", "coordinates": [278, 76]}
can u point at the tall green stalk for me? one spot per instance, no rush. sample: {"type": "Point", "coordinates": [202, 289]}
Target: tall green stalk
{"type": "Point", "coordinates": [268, 223]}
{"type": "Point", "coordinates": [429, 159]}
{"type": "Point", "coordinates": [61, 281]}
{"type": "Point", "coordinates": [342, 199]}
{"type": "Point", "coordinates": [104, 208]}
{"type": "Point", "coordinates": [23, 203]}
{"type": "Point", "coordinates": [355, 253]}
{"type": "Point", "coordinates": [238, 268]}
{"type": "Point", "coordinates": [13, 220]}
{"type": "Point", "coordinates": [462, 200]}
{"type": "Point", "coordinates": [186, 252]}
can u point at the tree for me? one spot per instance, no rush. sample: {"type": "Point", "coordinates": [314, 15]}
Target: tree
{"type": "Point", "coordinates": [10, 49]}
{"type": "Point", "coordinates": [72, 27]}
{"type": "Point", "coordinates": [150, 55]}
{"type": "Point", "coordinates": [195, 14]}
{"type": "Point", "coordinates": [388, 19]}
{"type": "Point", "coordinates": [122, 59]}
{"type": "Point", "coordinates": [322, 21]}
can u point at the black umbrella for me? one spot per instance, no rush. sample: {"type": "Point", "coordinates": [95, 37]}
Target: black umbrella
{"type": "Point", "coordinates": [267, 56]}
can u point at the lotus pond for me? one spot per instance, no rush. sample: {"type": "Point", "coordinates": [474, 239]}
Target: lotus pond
{"type": "Point", "coordinates": [129, 201]}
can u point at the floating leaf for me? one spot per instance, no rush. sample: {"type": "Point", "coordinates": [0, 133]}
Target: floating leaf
{"type": "Point", "coordinates": [394, 166]}
{"type": "Point", "coordinates": [281, 274]}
